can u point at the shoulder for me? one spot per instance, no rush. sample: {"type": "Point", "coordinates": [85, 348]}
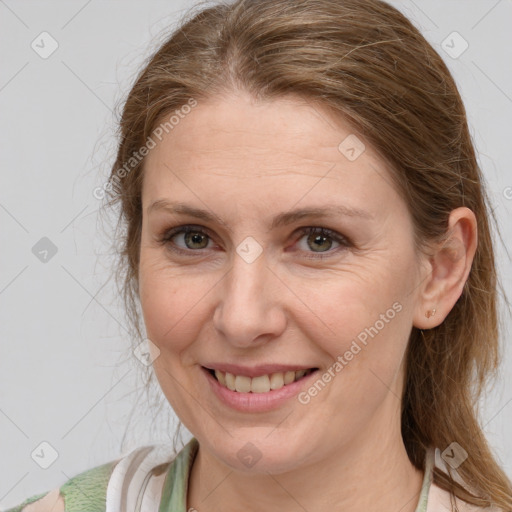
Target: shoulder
{"type": "Point", "coordinates": [103, 488]}
{"type": "Point", "coordinates": [85, 491]}
{"type": "Point", "coordinates": [138, 479]}
{"type": "Point", "coordinates": [440, 500]}
{"type": "Point", "coordinates": [51, 502]}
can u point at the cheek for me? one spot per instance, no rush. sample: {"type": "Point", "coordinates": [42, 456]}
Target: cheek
{"type": "Point", "coordinates": [171, 303]}
{"type": "Point", "coordinates": [365, 345]}
{"type": "Point", "coordinates": [363, 317]}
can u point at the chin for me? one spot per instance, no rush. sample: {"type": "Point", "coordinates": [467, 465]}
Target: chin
{"type": "Point", "coordinates": [253, 452]}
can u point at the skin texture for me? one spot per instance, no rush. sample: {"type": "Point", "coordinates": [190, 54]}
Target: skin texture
{"type": "Point", "coordinates": [52, 502]}
{"type": "Point", "coordinates": [247, 162]}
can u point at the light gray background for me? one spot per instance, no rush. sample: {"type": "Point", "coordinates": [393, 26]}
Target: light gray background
{"type": "Point", "coordinates": [67, 376]}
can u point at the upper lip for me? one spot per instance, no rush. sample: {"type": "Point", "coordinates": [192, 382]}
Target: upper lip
{"type": "Point", "coordinates": [255, 371]}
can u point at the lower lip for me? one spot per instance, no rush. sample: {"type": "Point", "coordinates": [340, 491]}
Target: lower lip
{"type": "Point", "coordinates": [257, 402]}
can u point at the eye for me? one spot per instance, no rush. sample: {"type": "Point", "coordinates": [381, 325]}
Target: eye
{"type": "Point", "coordinates": [194, 238]}
{"type": "Point", "coordinates": [321, 241]}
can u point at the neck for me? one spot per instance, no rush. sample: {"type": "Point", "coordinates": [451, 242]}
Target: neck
{"type": "Point", "coordinates": [369, 473]}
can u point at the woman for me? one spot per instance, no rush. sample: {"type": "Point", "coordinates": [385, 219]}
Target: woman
{"type": "Point", "coordinates": [313, 378]}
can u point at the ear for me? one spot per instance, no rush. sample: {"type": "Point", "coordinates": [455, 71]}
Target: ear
{"type": "Point", "coordinates": [447, 270]}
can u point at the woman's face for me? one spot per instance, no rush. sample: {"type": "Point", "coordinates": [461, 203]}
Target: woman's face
{"type": "Point", "coordinates": [256, 290]}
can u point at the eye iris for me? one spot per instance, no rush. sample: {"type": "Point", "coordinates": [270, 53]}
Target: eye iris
{"type": "Point", "coordinates": [317, 239]}
{"type": "Point", "coordinates": [195, 238]}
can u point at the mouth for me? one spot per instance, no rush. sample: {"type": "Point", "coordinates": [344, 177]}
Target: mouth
{"type": "Point", "coordinates": [258, 384]}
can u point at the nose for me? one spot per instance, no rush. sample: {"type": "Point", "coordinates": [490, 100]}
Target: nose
{"type": "Point", "coordinates": [250, 310]}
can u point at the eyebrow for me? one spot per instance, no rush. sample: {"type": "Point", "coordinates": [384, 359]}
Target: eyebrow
{"type": "Point", "coordinates": [282, 219]}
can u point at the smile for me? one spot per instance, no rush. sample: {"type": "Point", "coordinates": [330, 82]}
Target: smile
{"type": "Point", "coordinates": [259, 384]}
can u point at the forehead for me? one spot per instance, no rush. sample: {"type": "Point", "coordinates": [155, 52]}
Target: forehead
{"type": "Point", "coordinates": [236, 125]}
{"type": "Point", "coordinates": [270, 148]}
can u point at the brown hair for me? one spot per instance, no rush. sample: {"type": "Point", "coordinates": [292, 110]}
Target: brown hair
{"type": "Point", "coordinates": [367, 63]}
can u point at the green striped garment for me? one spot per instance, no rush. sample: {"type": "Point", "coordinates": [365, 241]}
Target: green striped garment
{"type": "Point", "coordinates": [150, 479]}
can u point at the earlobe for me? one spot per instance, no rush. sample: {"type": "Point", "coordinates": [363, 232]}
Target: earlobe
{"type": "Point", "coordinates": [430, 312]}
{"type": "Point", "coordinates": [450, 264]}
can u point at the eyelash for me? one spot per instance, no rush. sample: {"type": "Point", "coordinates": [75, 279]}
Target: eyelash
{"type": "Point", "coordinates": [344, 242]}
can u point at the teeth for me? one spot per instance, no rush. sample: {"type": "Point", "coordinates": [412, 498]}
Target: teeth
{"type": "Point", "coordinates": [300, 373]}
{"type": "Point", "coordinates": [230, 381]}
{"type": "Point", "coordinates": [220, 377]}
{"type": "Point", "coordinates": [276, 381]}
{"type": "Point", "coordinates": [289, 377]}
{"type": "Point", "coordinates": [261, 384]}
{"type": "Point", "coordinates": [242, 384]}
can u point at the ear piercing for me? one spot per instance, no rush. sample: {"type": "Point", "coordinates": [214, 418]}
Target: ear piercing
{"type": "Point", "coordinates": [430, 312]}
